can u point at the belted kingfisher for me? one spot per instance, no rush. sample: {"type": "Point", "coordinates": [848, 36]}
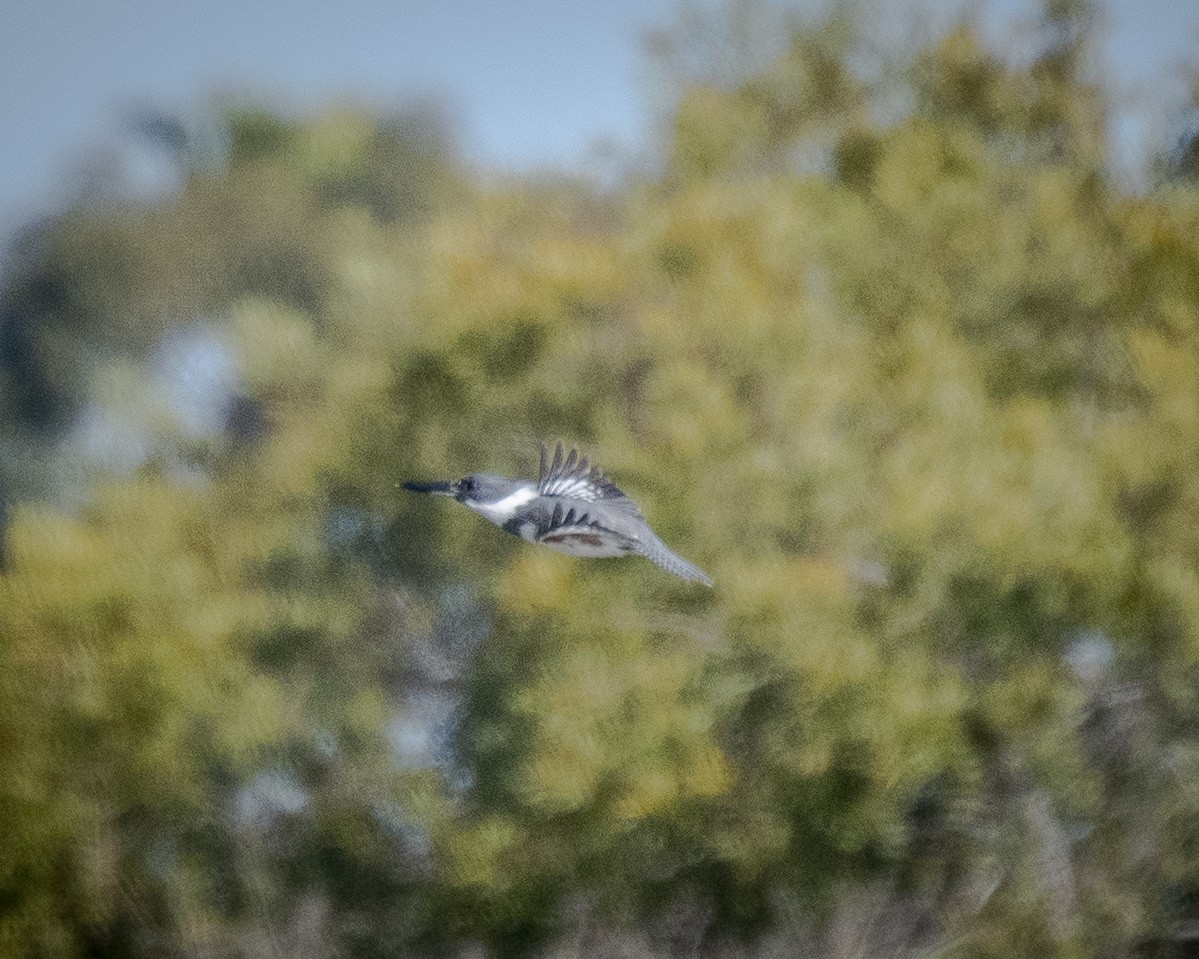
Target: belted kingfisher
{"type": "Point", "coordinates": [572, 508]}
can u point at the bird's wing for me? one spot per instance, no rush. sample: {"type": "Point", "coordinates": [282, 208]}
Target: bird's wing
{"type": "Point", "coordinates": [567, 521]}
{"type": "Point", "coordinates": [570, 477]}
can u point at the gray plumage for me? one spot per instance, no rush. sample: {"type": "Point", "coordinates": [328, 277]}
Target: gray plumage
{"type": "Point", "coordinates": [572, 508]}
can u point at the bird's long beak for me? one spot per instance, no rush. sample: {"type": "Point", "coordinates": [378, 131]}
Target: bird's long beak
{"type": "Point", "coordinates": [437, 487]}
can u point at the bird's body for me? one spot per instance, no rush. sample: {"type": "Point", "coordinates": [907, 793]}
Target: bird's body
{"type": "Point", "coordinates": [572, 508]}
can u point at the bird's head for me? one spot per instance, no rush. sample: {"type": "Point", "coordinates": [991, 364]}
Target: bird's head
{"type": "Point", "coordinates": [478, 490]}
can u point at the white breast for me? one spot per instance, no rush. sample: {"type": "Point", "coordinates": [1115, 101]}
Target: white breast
{"type": "Point", "coordinates": [503, 510]}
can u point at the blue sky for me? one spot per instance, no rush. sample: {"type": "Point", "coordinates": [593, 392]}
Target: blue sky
{"type": "Point", "coordinates": [531, 82]}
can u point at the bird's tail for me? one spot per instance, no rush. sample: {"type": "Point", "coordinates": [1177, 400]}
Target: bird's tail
{"type": "Point", "coordinates": [658, 552]}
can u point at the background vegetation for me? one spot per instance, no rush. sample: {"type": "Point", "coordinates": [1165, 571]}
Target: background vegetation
{"type": "Point", "coordinates": [886, 351]}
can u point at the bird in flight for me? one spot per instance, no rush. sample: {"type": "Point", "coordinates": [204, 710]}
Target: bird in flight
{"type": "Point", "coordinates": [572, 508]}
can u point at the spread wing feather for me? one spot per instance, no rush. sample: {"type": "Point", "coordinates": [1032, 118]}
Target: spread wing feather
{"type": "Point", "coordinates": [565, 519]}
{"type": "Point", "coordinates": [570, 476]}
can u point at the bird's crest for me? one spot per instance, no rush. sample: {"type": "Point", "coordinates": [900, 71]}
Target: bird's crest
{"type": "Point", "coordinates": [570, 476]}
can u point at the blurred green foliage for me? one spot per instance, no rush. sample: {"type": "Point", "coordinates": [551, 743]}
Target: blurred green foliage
{"type": "Point", "coordinates": [921, 392]}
